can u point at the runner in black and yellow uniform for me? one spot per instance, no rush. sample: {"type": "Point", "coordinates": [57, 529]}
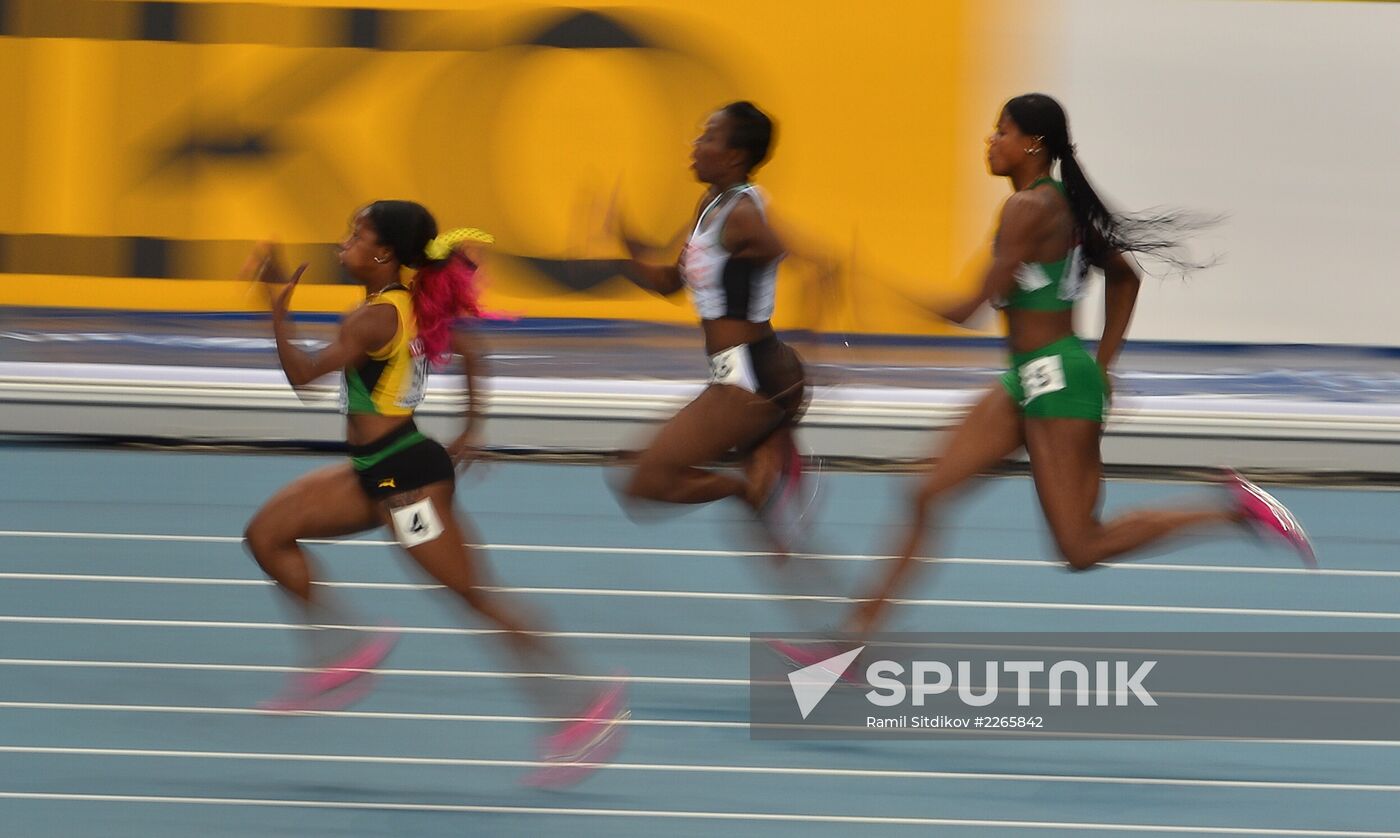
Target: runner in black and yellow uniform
{"type": "Point", "coordinates": [1053, 399]}
{"type": "Point", "coordinates": [391, 382]}
{"type": "Point", "coordinates": [399, 478]}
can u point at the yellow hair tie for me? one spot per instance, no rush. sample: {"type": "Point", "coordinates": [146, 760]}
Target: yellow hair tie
{"type": "Point", "coordinates": [442, 246]}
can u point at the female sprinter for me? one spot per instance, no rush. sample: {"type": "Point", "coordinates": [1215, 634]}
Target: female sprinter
{"type": "Point", "coordinates": [757, 388]}
{"type": "Point", "coordinates": [396, 476]}
{"type": "Point", "coordinates": [1054, 398]}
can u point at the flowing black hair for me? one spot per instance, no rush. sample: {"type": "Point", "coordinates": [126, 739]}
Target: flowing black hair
{"type": "Point", "coordinates": [1156, 233]}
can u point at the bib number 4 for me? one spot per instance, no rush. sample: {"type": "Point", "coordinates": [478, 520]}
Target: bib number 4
{"type": "Point", "coordinates": [416, 523]}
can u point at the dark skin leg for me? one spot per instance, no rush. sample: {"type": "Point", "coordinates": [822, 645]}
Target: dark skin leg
{"type": "Point", "coordinates": [330, 502]}
{"type": "Point", "coordinates": [1068, 475]}
{"type": "Point", "coordinates": [327, 503]}
{"type": "Point", "coordinates": [766, 461]}
{"type": "Point", "coordinates": [720, 419]}
{"type": "Point", "coordinates": [990, 433]}
{"type": "Point", "coordinates": [449, 561]}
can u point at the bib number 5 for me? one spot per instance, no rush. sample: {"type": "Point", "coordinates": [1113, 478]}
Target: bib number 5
{"type": "Point", "coordinates": [1041, 376]}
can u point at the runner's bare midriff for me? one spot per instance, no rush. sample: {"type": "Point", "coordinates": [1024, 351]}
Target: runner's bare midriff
{"type": "Point", "coordinates": [726, 332]}
{"type": "Point", "coordinates": [1028, 331]}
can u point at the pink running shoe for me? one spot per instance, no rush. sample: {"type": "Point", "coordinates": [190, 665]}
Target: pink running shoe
{"type": "Point", "coordinates": [816, 654]}
{"type": "Point", "coordinates": [794, 494]}
{"type": "Point", "coordinates": [338, 685]}
{"type": "Point", "coordinates": [1268, 517]}
{"type": "Point", "coordinates": [582, 745]}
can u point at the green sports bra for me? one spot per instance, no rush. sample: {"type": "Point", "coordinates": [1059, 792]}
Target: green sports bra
{"type": "Point", "coordinates": [1048, 286]}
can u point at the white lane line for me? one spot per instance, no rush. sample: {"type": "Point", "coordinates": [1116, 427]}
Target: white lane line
{"type": "Point", "coordinates": [415, 673]}
{"type": "Point", "coordinates": [230, 624]}
{"type": "Point", "coordinates": [636, 722]}
{"type": "Point", "coordinates": [727, 596]}
{"type": "Point", "coordinates": [216, 581]}
{"type": "Point", "coordinates": [406, 586]}
{"type": "Point", "coordinates": [670, 814]}
{"type": "Point", "coordinates": [698, 553]}
{"type": "Point", "coordinates": [682, 768]}
{"type": "Point", "coordinates": [1213, 610]}
{"type": "Point", "coordinates": [629, 679]}
{"type": "Point", "coordinates": [127, 536]}
{"type": "Point", "coordinates": [346, 714]}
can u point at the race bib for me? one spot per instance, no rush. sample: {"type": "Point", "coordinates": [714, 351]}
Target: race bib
{"type": "Point", "coordinates": [416, 523]}
{"type": "Point", "coordinates": [1041, 376]}
{"type": "Point", "coordinates": [734, 367]}
{"type": "Point", "coordinates": [418, 383]}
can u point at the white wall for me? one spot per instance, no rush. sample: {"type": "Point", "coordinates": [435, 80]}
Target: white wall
{"type": "Point", "coordinates": [1283, 115]}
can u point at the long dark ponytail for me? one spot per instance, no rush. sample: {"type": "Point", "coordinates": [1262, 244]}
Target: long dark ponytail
{"type": "Point", "coordinates": [1156, 233]}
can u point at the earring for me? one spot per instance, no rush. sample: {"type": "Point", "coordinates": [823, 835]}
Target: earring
{"type": "Point", "coordinates": [1033, 151]}
{"type": "Point", "coordinates": [381, 261]}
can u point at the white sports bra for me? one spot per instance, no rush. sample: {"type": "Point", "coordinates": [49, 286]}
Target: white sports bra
{"type": "Point", "coordinates": [721, 287]}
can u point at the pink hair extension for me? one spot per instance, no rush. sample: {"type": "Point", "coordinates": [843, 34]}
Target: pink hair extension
{"type": "Point", "coordinates": [442, 292]}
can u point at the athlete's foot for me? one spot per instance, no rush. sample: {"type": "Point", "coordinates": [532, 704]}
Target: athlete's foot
{"type": "Point", "coordinates": [342, 682]}
{"type": "Point", "coordinates": [582, 745]}
{"type": "Point", "coordinates": [785, 509]}
{"type": "Point", "coordinates": [1269, 518]}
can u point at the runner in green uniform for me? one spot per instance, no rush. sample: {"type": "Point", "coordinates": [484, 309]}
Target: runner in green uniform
{"type": "Point", "coordinates": [1054, 397]}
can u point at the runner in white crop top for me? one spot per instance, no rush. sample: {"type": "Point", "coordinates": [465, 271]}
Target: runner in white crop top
{"type": "Point", "coordinates": [721, 285]}
{"type": "Point", "coordinates": [757, 388]}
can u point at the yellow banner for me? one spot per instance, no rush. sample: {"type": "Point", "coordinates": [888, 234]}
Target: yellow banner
{"type": "Point", "coordinates": [156, 141]}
